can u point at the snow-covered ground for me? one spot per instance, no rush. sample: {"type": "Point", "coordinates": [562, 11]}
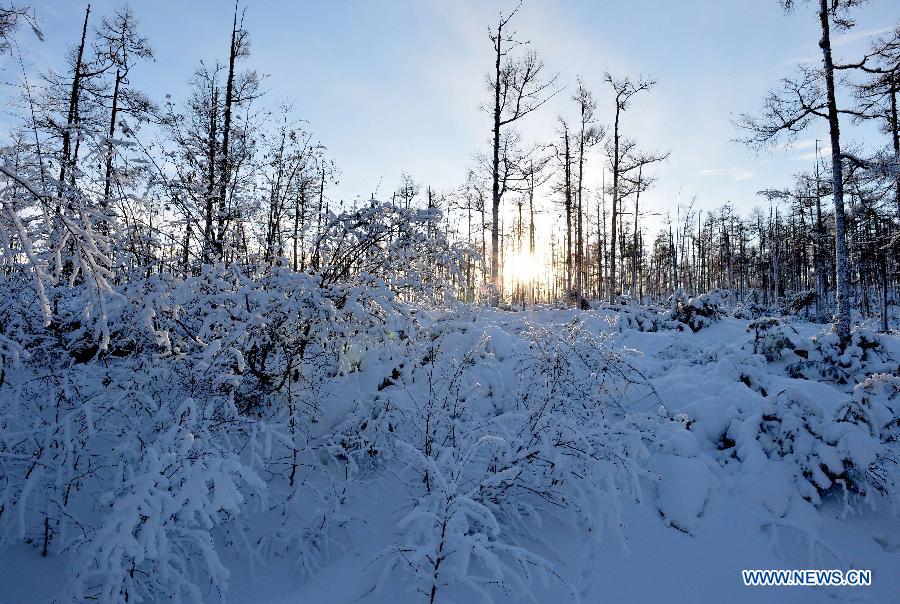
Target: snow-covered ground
{"type": "Point", "coordinates": [555, 455]}
{"type": "Point", "coordinates": [699, 518]}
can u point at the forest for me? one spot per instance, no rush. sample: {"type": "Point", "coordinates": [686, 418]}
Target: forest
{"type": "Point", "coordinates": [226, 377]}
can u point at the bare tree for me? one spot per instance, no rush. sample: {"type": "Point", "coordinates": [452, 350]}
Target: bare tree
{"type": "Point", "coordinates": [67, 160]}
{"type": "Point", "coordinates": [618, 149]}
{"type": "Point", "coordinates": [789, 110]}
{"type": "Point", "coordinates": [408, 190]}
{"type": "Point", "coordinates": [10, 18]}
{"type": "Point", "coordinates": [589, 135]}
{"type": "Point", "coordinates": [564, 156]}
{"type": "Point", "coordinates": [238, 89]}
{"type": "Point", "coordinates": [877, 95]}
{"type": "Point", "coordinates": [519, 87]}
{"type": "Point", "coordinates": [120, 45]}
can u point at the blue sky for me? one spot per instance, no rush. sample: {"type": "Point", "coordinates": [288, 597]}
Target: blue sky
{"type": "Point", "coordinates": [391, 86]}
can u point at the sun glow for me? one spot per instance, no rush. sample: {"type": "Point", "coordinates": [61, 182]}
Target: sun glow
{"type": "Point", "coordinates": [527, 276]}
{"type": "Point", "coordinates": [522, 267]}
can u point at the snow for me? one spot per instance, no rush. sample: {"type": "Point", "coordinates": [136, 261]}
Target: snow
{"type": "Point", "coordinates": [684, 485]}
{"type": "Point", "coordinates": [543, 455]}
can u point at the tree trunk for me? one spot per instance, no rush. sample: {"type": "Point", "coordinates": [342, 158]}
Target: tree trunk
{"type": "Point", "coordinates": [299, 214]}
{"type": "Point", "coordinates": [634, 242]}
{"type": "Point", "coordinates": [67, 161]}
{"type": "Point", "coordinates": [882, 273]}
{"type": "Point", "coordinates": [842, 308]}
{"type": "Point", "coordinates": [615, 202]}
{"type": "Point", "coordinates": [820, 240]}
{"type": "Point", "coordinates": [316, 259]}
{"type": "Point", "coordinates": [531, 231]}
{"type": "Point", "coordinates": [209, 235]}
{"type": "Point", "coordinates": [495, 172]}
{"type": "Point", "coordinates": [600, 246]}
{"type": "Point", "coordinates": [895, 138]}
{"type": "Point", "coordinates": [224, 168]}
{"type": "Point", "coordinates": [567, 171]}
{"type": "Point", "coordinates": [185, 259]}
{"type": "Point", "coordinates": [110, 149]}
{"type": "Point", "coordinates": [579, 239]}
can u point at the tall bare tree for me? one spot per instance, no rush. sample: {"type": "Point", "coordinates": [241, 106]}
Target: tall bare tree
{"type": "Point", "coordinates": [68, 158]}
{"type": "Point", "coordinates": [618, 149]}
{"type": "Point", "coordinates": [789, 110]}
{"type": "Point", "coordinates": [564, 156]}
{"type": "Point", "coordinates": [119, 43]}
{"type": "Point", "coordinates": [589, 135]}
{"type": "Point", "coordinates": [519, 86]}
{"type": "Point", "coordinates": [877, 95]}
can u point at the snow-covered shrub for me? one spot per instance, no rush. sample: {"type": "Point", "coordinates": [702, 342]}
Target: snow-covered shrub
{"type": "Point", "coordinates": [721, 297]}
{"type": "Point", "coordinates": [118, 465]}
{"type": "Point", "coordinates": [496, 431]}
{"type": "Point", "coordinates": [133, 457]}
{"type": "Point", "coordinates": [638, 318]}
{"type": "Point", "coordinates": [157, 537]}
{"type": "Point", "coordinates": [50, 250]}
{"type": "Point", "coordinates": [823, 360]}
{"type": "Point", "coordinates": [698, 312]}
{"type": "Point", "coordinates": [773, 338]}
{"type": "Point", "coordinates": [403, 249]}
{"type": "Point", "coordinates": [751, 308]}
{"type": "Point", "coordinates": [450, 540]}
{"type": "Point", "coordinates": [875, 405]}
{"type": "Point", "coordinates": [822, 452]}
{"type": "Point", "coordinates": [734, 364]}
{"type": "Point", "coordinates": [16, 323]}
{"type": "Point", "coordinates": [573, 300]}
{"type": "Point", "coordinates": [620, 299]}
{"type": "Point", "coordinates": [797, 302]}
{"type": "Point", "coordinates": [684, 478]}
{"type": "Point", "coordinates": [880, 393]}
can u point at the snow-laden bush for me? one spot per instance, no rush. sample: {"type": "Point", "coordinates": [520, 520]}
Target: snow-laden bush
{"type": "Point", "coordinates": [119, 466]}
{"type": "Point", "coordinates": [823, 453]}
{"type": "Point", "coordinates": [796, 303]}
{"type": "Point", "coordinates": [137, 415]}
{"type": "Point", "coordinates": [157, 536]}
{"type": "Point", "coordinates": [496, 433]}
{"type": "Point", "coordinates": [383, 244]}
{"type": "Point", "coordinates": [700, 311]}
{"type": "Point", "coordinates": [134, 457]}
{"type": "Point", "coordinates": [774, 338]}
{"type": "Point", "coordinates": [638, 318]}
{"type": "Point", "coordinates": [49, 249]}
{"type": "Point", "coordinates": [452, 540]}
{"type": "Point", "coordinates": [875, 405]}
{"type": "Point", "coordinates": [751, 307]}
{"type": "Point", "coordinates": [572, 299]}
{"type": "Point", "coordinates": [877, 402]}
{"type": "Point", "coordinates": [822, 358]}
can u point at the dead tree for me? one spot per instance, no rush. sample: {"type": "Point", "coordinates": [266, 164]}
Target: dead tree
{"type": "Point", "coordinates": [791, 109]}
{"type": "Point", "coordinates": [589, 135]}
{"type": "Point", "coordinates": [623, 89]}
{"type": "Point", "coordinates": [121, 46]}
{"type": "Point", "coordinates": [518, 87]}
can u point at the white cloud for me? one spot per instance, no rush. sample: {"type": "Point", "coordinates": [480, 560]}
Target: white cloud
{"type": "Point", "coordinates": [808, 143]}
{"type": "Point", "coordinates": [815, 58]}
{"type": "Point", "coordinates": [842, 39]}
{"type": "Point", "coordinates": [823, 152]}
{"type": "Point", "coordinates": [738, 174]}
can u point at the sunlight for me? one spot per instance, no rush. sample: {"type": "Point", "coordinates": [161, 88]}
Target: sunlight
{"type": "Point", "coordinates": [521, 267]}
{"type": "Point", "coordinates": [421, 313]}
